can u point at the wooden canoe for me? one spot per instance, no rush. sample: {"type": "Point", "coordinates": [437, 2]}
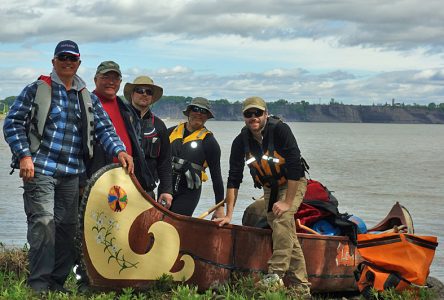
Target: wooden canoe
{"type": "Point", "coordinates": [129, 240]}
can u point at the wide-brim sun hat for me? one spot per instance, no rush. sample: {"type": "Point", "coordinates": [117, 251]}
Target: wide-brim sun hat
{"type": "Point", "coordinates": [202, 103]}
{"type": "Point", "coordinates": [142, 81]}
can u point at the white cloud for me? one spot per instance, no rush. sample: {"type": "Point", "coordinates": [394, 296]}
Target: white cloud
{"type": "Point", "coordinates": [350, 50]}
{"type": "Point", "coordinates": [177, 70]}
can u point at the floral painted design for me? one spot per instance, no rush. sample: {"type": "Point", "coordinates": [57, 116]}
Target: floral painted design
{"type": "Point", "coordinates": [104, 226]}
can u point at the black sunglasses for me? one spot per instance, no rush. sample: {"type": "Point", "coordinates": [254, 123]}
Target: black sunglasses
{"type": "Point", "coordinates": [257, 113]}
{"type": "Point", "coordinates": [64, 57]}
{"type": "Point", "coordinates": [142, 91]}
{"type": "Point", "coordinates": [198, 109]}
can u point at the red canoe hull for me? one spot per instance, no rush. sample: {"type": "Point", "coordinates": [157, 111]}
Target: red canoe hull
{"type": "Point", "coordinates": [151, 240]}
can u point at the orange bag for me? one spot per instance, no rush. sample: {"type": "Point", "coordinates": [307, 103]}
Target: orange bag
{"type": "Point", "coordinates": [394, 260]}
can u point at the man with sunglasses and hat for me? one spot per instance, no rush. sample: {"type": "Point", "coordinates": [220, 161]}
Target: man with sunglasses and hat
{"type": "Point", "coordinates": [194, 148]}
{"type": "Point", "coordinates": [153, 136]}
{"type": "Point", "coordinates": [269, 148]}
{"type": "Point", "coordinates": [51, 128]}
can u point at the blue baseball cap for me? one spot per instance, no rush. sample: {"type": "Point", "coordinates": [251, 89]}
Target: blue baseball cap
{"type": "Point", "coordinates": [67, 46]}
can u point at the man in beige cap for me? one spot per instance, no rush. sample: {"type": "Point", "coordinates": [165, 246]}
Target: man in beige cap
{"type": "Point", "coordinates": [270, 150]}
{"type": "Point", "coordinates": [194, 148]}
{"type": "Point", "coordinates": [142, 94]}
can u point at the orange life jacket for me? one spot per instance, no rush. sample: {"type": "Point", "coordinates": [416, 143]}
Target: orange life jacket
{"type": "Point", "coordinates": [270, 170]}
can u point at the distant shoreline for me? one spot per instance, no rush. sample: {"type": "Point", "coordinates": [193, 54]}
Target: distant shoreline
{"type": "Point", "coordinates": [177, 121]}
{"type": "Point", "coordinates": [318, 114]}
{"type": "Point", "coordinates": [332, 113]}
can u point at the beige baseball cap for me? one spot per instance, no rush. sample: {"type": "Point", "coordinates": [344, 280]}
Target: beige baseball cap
{"type": "Point", "coordinates": [254, 102]}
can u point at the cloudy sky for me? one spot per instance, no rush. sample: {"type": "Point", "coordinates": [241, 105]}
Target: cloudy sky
{"type": "Point", "coordinates": [357, 52]}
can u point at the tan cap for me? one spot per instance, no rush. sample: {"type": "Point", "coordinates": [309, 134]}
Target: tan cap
{"type": "Point", "coordinates": [254, 102]}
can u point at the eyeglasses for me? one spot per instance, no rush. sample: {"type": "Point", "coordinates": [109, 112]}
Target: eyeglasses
{"type": "Point", "coordinates": [110, 77]}
{"type": "Point", "coordinates": [142, 91]}
{"type": "Point", "coordinates": [257, 113]}
{"type": "Point", "coordinates": [64, 57]}
{"type": "Point", "coordinates": [198, 109]}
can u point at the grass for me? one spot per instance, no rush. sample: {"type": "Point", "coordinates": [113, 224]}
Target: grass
{"type": "Point", "coordinates": [13, 272]}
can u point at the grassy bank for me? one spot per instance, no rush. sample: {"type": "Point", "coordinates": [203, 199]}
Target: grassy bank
{"type": "Point", "coordinates": [13, 272]}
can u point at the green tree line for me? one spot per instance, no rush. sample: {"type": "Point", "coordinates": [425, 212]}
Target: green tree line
{"type": "Point", "coordinates": [171, 106]}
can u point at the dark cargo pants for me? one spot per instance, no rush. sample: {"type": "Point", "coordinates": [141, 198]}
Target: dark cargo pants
{"type": "Point", "coordinates": [51, 207]}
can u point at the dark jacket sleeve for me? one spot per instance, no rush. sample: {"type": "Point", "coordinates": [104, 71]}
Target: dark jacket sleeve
{"type": "Point", "coordinates": [212, 156]}
{"type": "Point", "coordinates": [133, 127]}
{"type": "Point", "coordinates": [287, 146]}
{"type": "Point", "coordinates": [164, 170]}
{"type": "Point", "coordinates": [237, 162]}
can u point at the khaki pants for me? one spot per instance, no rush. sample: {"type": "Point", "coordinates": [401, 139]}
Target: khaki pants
{"type": "Point", "coordinates": [287, 258]}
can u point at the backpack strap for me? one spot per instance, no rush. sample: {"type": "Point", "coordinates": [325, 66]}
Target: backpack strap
{"type": "Point", "coordinates": [39, 114]}
{"type": "Point", "coordinates": [249, 160]}
{"type": "Point", "coordinates": [273, 180]}
{"type": "Point", "coordinates": [40, 111]}
{"type": "Point", "coordinates": [88, 126]}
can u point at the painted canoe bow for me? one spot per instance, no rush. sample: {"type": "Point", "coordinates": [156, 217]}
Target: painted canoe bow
{"type": "Point", "coordinates": [129, 240]}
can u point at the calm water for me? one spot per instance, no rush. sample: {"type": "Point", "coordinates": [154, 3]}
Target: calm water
{"type": "Point", "coordinates": [368, 166]}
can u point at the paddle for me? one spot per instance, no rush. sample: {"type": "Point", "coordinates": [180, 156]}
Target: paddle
{"type": "Point", "coordinates": [203, 215]}
{"type": "Point", "coordinates": [395, 229]}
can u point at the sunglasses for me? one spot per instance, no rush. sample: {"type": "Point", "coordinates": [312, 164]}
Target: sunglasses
{"type": "Point", "coordinates": [257, 113]}
{"type": "Point", "coordinates": [64, 57]}
{"type": "Point", "coordinates": [198, 109]}
{"type": "Point", "coordinates": [142, 91]}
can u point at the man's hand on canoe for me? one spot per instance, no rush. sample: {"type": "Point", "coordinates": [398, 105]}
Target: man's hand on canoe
{"type": "Point", "coordinates": [126, 161]}
{"type": "Point", "coordinates": [223, 220]}
{"type": "Point", "coordinates": [218, 213]}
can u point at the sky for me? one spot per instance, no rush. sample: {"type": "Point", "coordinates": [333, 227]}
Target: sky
{"type": "Point", "coordinates": [356, 52]}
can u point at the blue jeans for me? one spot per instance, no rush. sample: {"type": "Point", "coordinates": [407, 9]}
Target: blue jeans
{"type": "Point", "coordinates": [51, 207]}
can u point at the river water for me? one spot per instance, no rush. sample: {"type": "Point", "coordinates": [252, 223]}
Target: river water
{"type": "Point", "coordinates": [368, 166]}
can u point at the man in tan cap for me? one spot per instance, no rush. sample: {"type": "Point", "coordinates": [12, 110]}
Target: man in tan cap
{"type": "Point", "coordinates": [142, 94]}
{"type": "Point", "coordinates": [194, 148]}
{"type": "Point", "coordinates": [270, 150]}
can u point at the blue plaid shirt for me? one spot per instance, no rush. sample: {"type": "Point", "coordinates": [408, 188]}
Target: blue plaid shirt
{"type": "Point", "coordinates": [53, 157]}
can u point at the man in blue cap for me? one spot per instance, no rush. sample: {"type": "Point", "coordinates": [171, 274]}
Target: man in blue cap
{"type": "Point", "coordinates": [51, 128]}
